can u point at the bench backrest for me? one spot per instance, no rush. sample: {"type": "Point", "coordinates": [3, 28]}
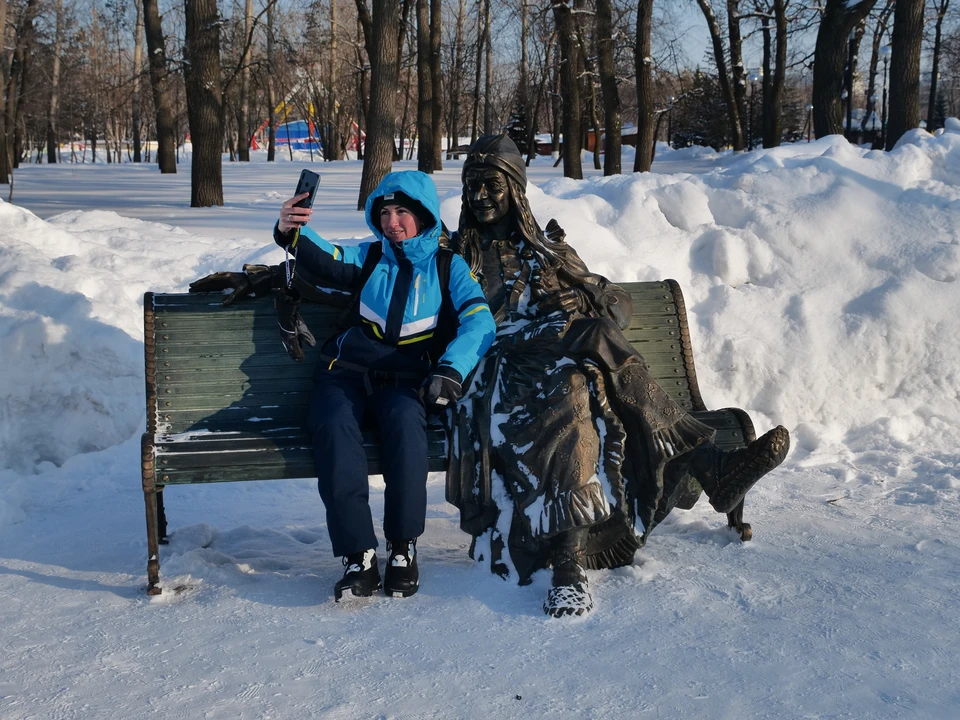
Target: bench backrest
{"type": "Point", "coordinates": [223, 369]}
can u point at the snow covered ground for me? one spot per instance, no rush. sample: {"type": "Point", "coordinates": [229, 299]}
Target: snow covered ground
{"type": "Point", "coordinates": [822, 286]}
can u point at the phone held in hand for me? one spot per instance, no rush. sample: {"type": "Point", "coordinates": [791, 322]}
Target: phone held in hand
{"type": "Point", "coordinates": [308, 183]}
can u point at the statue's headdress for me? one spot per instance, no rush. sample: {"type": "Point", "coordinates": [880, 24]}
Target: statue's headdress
{"type": "Point", "coordinates": [500, 152]}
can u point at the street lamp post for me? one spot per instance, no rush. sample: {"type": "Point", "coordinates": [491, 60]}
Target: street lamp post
{"type": "Point", "coordinates": [885, 54]}
{"type": "Point", "coordinates": [809, 120]}
{"type": "Point", "coordinates": [670, 101]}
{"type": "Point", "coordinates": [872, 116]}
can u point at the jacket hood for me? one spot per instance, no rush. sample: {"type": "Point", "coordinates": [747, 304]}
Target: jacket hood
{"type": "Point", "coordinates": [420, 187]}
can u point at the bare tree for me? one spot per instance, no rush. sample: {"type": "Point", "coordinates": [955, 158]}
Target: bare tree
{"type": "Point", "coordinates": [738, 73]}
{"type": "Point", "coordinates": [243, 116]}
{"type": "Point", "coordinates": [6, 55]}
{"type": "Point", "coordinates": [878, 33]}
{"type": "Point", "coordinates": [734, 116]}
{"type": "Point", "coordinates": [488, 77]}
{"type": "Point", "coordinates": [436, 119]}
{"type": "Point", "coordinates": [643, 62]}
{"type": "Point", "coordinates": [159, 80]}
{"type": "Point", "coordinates": [481, 36]}
{"type": "Point", "coordinates": [272, 85]}
{"type": "Point", "coordinates": [904, 113]}
{"type": "Point", "coordinates": [940, 8]}
{"type": "Point", "coordinates": [331, 149]}
{"type": "Point", "coordinates": [840, 18]}
{"type": "Point", "coordinates": [569, 89]}
{"type": "Point", "coordinates": [774, 73]}
{"type": "Point", "coordinates": [425, 99]}
{"type": "Point", "coordinates": [53, 109]}
{"type": "Point", "coordinates": [456, 80]}
{"type": "Point", "coordinates": [135, 113]}
{"type": "Point", "coordinates": [384, 63]}
{"type": "Point", "coordinates": [202, 75]}
{"type": "Point", "coordinates": [612, 118]}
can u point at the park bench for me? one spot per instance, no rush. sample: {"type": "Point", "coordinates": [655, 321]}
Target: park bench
{"type": "Point", "coordinates": [225, 402]}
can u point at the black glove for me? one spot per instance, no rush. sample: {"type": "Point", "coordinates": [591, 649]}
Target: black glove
{"type": "Point", "coordinates": [255, 280]}
{"type": "Point", "coordinates": [442, 388]}
{"type": "Point", "coordinates": [293, 330]}
{"type": "Point", "coordinates": [570, 300]}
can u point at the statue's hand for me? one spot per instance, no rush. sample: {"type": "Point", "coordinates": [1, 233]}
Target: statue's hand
{"type": "Point", "coordinates": [254, 280]}
{"type": "Point", "coordinates": [554, 232]}
{"type": "Point", "coordinates": [238, 282]}
{"type": "Point", "coordinates": [571, 300]}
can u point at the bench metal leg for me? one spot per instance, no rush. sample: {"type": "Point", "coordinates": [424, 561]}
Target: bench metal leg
{"type": "Point", "coordinates": [735, 520]}
{"type": "Point", "coordinates": [150, 504]}
{"type": "Point", "coordinates": [153, 545]}
{"type": "Point", "coordinates": [161, 519]}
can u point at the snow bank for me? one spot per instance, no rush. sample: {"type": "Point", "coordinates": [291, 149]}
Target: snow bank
{"type": "Point", "coordinates": [821, 280]}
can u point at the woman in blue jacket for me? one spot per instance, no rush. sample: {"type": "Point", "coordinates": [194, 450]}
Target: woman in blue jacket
{"type": "Point", "coordinates": [408, 343]}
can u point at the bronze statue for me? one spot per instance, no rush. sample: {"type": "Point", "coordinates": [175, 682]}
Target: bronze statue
{"type": "Point", "coordinates": [564, 445]}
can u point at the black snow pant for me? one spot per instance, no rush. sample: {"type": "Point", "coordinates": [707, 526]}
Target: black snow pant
{"type": "Point", "coordinates": [337, 410]}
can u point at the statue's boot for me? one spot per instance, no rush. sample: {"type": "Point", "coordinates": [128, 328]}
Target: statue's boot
{"type": "Point", "coordinates": [725, 476]}
{"type": "Point", "coordinates": [570, 591]}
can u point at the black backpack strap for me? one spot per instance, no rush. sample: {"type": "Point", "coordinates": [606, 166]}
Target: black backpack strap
{"type": "Point", "coordinates": [369, 265]}
{"type": "Point", "coordinates": [448, 321]}
{"type": "Point", "coordinates": [444, 258]}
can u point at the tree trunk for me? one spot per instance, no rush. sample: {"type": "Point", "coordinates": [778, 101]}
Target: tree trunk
{"type": "Point", "coordinates": [53, 109]}
{"type": "Point", "coordinates": [135, 113]}
{"type": "Point", "coordinates": [738, 72]}
{"type": "Point", "coordinates": [26, 56]}
{"type": "Point", "coordinates": [436, 74]}
{"type": "Point", "coordinates": [641, 59]}
{"type": "Point", "coordinates": [201, 50]}
{"type": "Point", "coordinates": [488, 75]}
{"type": "Point", "coordinates": [570, 90]}
{"type": "Point", "coordinates": [612, 119]}
{"type": "Point", "coordinates": [904, 113]}
{"type": "Point", "coordinates": [456, 84]}
{"type": "Point", "coordinates": [475, 123]}
{"type": "Point", "coordinates": [331, 150]}
{"type": "Point", "coordinates": [541, 87]}
{"type": "Point", "coordinates": [157, 59]}
{"type": "Point", "coordinates": [5, 59]}
{"type": "Point", "coordinates": [556, 106]}
{"type": "Point", "coordinates": [425, 154]}
{"type": "Point", "coordinates": [271, 88]}
{"type": "Point", "coordinates": [243, 116]}
{"type": "Point", "coordinates": [840, 17]}
{"type": "Point", "coordinates": [363, 81]}
{"type": "Point", "coordinates": [384, 62]}
{"type": "Point", "coordinates": [773, 124]}
{"type": "Point", "coordinates": [734, 116]}
{"type": "Point", "coordinates": [878, 34]}
{"type": "Point", "coordinates": [16, 69]}
{"type": "Point", "coordinates": [941, 9]}
{"type": "Point", "coordinates": [766, 81]}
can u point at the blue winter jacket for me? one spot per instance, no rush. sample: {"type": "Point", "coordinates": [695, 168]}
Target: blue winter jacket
{"type": "Point", "coordinates": [399, 307]}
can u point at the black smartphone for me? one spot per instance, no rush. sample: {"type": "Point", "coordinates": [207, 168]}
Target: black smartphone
{"type": "Point", "coordinates": [309, 181]}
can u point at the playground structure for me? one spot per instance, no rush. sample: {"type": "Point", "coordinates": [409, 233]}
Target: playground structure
{"type": "Point", "coordinates": [298, 134]}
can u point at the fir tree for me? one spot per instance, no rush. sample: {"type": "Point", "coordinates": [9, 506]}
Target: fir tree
{"type": "Point", "coordinates": [517, 130]}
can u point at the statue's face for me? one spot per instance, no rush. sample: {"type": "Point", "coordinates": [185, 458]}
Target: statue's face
{"type": "Point", "coordinates": [487, 194]}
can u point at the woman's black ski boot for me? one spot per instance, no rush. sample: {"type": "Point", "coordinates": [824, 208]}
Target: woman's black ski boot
{"type": "Point", "coordinates": [401, 578]}
{"type": "Point", "coordinates": [361, 575]}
